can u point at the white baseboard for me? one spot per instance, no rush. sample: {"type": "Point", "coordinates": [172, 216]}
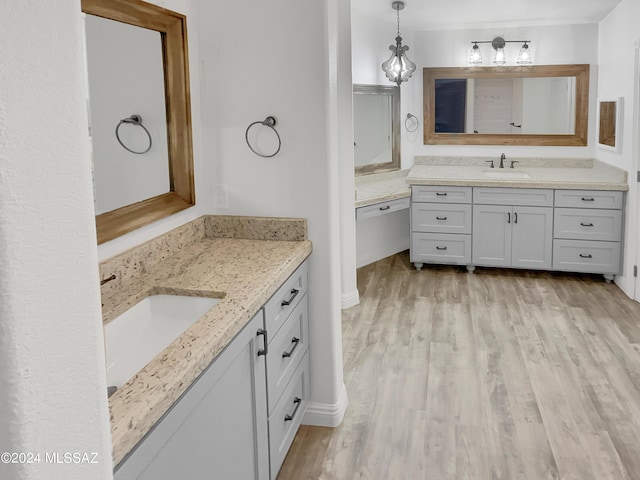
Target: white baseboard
{"type": "Point", "coordinates": [326, 414]}
{"type": "Point", "coordinates": [350, 299]}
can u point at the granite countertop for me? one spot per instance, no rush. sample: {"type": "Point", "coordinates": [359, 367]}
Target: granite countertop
{"type": "Point", "coordinates": [381, 187]}
{"type": "Point", "coordinates": [576, 174]}
{"type": "Point", "coordinates": [243, 272]}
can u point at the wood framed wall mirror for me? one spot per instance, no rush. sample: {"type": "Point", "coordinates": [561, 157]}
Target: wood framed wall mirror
{"type": "Point", "coordinates": [137, 67]}
{"type": "Point", "coordinates": [376, 128]}
{"type": "Point", "coordinates": [610, 124]}
{"type": "Point", "coordinates": [543, 105]}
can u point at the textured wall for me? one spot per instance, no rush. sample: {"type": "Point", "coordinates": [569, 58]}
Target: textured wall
{"type": "Point", "coordinates": [619, 76]}
{"type": "Point", "coordinates": [52, 375]}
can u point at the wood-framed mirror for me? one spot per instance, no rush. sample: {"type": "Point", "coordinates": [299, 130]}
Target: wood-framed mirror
{"type": "Point", "coordinates": [543, 105]}
{"type": "Point", "coordinates": [173, 132]}
{"type": "Point", "coordinates": [610, 124]}
{"type": "Point", "coordinates": [376, 128]}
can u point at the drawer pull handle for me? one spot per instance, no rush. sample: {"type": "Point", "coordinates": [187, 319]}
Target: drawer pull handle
{"type": "Point", "coordinates": [441, 218]}
{"type": "Point", "coordinates": [297, 401]}
{"type": "Point", "coordinates": [265, 350]}
{"type": "Point", "coordinates": [387, 207]}
{"type": "Point", "coordinates": [588, 199]}
{"type": "Point", "coordinates": [586, 256]}
{"type": "Point", "coordinates": [586, 224]}
{"type": "Point", "coordinates": [296, 342]}
{"type": "Point", "coordinates": [441, 194]}
{"type": "Point", "coordinates": [440, 248]}
{"type": "Point", "coordinates": [294, 294]}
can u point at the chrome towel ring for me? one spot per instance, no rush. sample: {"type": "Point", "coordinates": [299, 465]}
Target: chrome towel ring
{"type": "Point", "coordinates": [267, 122]}
{"type": "Point", "coordinates": [133, 120]}
{"type": "Point", "coordinates": [416, 121]}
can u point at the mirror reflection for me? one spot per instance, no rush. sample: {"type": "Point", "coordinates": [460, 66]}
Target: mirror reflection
{"type": "Point", "coordinates": [533, 105]}
{"type": "Point", "coordinates": [505, 105]}
{"type": "Point", "coordinates": [124, 81]}
{"type": "Point", "coordinates": [140, 106]}
{"type": "Point", "coordinates": [376, 130]}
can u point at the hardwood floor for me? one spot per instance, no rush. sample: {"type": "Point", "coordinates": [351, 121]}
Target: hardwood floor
{"type": "Point", "coordinates": [501, 374]}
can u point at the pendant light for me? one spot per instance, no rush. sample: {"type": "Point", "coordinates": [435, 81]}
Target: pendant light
{"type": "Point", "coordinates": [398, 68]}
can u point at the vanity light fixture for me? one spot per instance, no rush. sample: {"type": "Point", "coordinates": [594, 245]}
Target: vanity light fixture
{"type": "Point", "coordinates": [398, 68]}
{"type": "Point", "coordinates": [500, 57]}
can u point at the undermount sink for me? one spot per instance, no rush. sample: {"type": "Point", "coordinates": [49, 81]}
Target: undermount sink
{"type": "Point", "coordinates": [134, 338]}
{"type": "Point", "coordinates": [505, 174]}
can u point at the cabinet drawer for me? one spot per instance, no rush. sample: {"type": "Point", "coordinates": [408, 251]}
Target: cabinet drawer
{"type": "Point", "coordinates": [586, 256]}
{"type": "Point", "coordinates": [588, 199]}
{"type": "Point", "coordinates": [441, 218]}
{"type": "Point", "coordinates": [440, 248]}
{"type": "Point", "coordinates": [282, 303]}
{"type": "Point", "coordinates": [382, 208]}
{"type": "Point", "coordinates": [286, 350]}
{"type": "Point", "coordinates": [588, 224]}
{"type": "Point", "coordinates": [287, 415]}
{"type": "Point", "coordinates": [513, 196]}
{"type": "Point", "coordinates": [440, 194]}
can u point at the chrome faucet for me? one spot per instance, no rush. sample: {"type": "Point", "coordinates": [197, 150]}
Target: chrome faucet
{"type": "Point", "coordinates": [502, 158]}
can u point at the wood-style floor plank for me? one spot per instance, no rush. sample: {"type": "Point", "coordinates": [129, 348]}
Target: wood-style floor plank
{"type": "Point", "coordinates": [501, 374]}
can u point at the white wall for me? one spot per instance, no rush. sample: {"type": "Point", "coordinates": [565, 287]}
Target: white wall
{"type": "Point", "coordinates": [554, 44]}
{"type": "Point", "coordinates": [126, 78]}
{"type": "Point", "coordinates": [618, 39]}
{"type": "Point", "coordinates": [281, 58]}
{"type": "Point", "coordinates": [53, 394]}
{"type": "Point", "coordinates": [203, 183]}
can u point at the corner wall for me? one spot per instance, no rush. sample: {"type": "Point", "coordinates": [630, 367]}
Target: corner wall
{"type": "Point", "coordinates": [281, 58]}
{"type": "Point", "coordinates": [619, 39]}
{"type": "Point", "coordinates": [53, 395]}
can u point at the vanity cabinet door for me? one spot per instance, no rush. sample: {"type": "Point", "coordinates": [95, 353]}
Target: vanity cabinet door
{"type": "Point", "coordinates": [532, 237]}
{"type": "Point", "coordinates": [218, 428]}
{"type": "Point", "coordinates": [492, 235]}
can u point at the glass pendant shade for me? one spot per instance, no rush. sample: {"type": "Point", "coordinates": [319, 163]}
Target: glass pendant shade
{"type": "Point", "coordinates": [524, 57]}
{"type": "Point", "coordinates": [398, 68]}
{"type": "Point", "coordinates": [500, 58]}
{"type": "Point", "coordinates": [475, 57]}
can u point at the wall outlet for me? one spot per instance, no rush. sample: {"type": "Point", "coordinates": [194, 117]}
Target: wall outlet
{"type": "Point", "coordinates": [220, 197]}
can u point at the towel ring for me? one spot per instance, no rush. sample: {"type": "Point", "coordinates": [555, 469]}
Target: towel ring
{"type": "Point", "coordinates": [267, 122]}
{"type": "Point", "coordinates": [406, 122]}
{"type": "Point", "coordinates": [133, 120]}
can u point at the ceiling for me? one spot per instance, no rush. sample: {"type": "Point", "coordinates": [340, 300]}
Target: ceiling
{"type": "Point", "coordinates": [454, 14]}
